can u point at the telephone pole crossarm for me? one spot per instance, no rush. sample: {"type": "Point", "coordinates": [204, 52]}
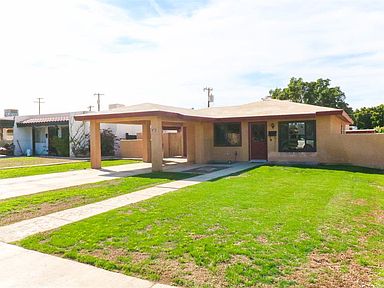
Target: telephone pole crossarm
{"type": "Point", "coordinates": [98, 100]}
{"type": "Point", "coordinates": [210, 95]}
{"type": "Point", "coordinates": [39, 102]}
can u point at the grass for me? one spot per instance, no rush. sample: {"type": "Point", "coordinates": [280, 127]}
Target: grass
{"type": "Point", "coordinates": [25, 207]}
{"type": "Point", "coordinates": [38, 170]}
{"type": "Point", "coordinates": [24, 161]}
{"type": "Point", "coordinates": [272, 225]}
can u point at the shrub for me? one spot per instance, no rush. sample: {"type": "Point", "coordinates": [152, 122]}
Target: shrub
{"type": "Point", "coordinates": [108, 143]}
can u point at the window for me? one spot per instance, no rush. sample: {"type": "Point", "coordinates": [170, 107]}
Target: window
{"type": "Point", "coordinates": [299, 136]}
{"type": "Point", "coordinates": [227, 134]}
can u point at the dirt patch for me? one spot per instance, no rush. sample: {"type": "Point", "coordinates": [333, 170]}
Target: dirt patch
{"type": "Point", "coordinates": [171, 270]}
{"type": "Point", "coordinates": [110, 254]}
{"type": "Point", "coordinates": [332, 270]}
{"type": "Point", "coordinates": [359, 202]}
{"type": "Point", "coordinates": [262, 239]}
{"type": "Point", "coordinates": [378, 216]}
{"type": "Point", "coordinates": [240, 259]}
{"type": "Point", "coordinates": [198, 236]}
{"type": "Point", "coordinates": [40, 210]}
{"type": "Point", "coordinates": [139, 256]}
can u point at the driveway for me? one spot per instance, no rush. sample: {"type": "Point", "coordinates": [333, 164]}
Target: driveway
{"type": "Point", "coordinates": [13, 187]}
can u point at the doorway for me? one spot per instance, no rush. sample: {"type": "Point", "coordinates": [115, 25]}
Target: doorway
{"type": "Point", "coordinates": [258, 141]}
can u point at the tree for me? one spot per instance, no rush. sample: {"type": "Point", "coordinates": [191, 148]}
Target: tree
{"type": "Point", "coordinates": [317, 92]}
{"type": "Point", "coordinates": [370, 117]}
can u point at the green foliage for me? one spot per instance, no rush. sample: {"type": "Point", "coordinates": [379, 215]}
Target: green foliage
{"type": "Point", "coordinates": [379, 129]}
{"type": "Point", "coordinates": [251, 229]}
{"type": "Point", "coordinates": [61, 145]}
{"type": "Point", "coordinates": [108, 142]}
{"type": "Point", "coordinates": [317, 92]}
{"type": "Point", "coordinates": [370, 117]}
{"type": "Point", "coordinates": [79, 141]}
{"type": "Point", "coordinates": [38, 170]}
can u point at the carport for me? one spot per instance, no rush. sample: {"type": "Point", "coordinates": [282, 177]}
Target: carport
{"type": "Point", "coordinates": [153, 118]}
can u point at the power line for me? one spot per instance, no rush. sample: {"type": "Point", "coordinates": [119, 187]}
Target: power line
{"type": "Point", "coordinates": [98, 100]}
{"type": "Point", "coordinates": [39, 102]}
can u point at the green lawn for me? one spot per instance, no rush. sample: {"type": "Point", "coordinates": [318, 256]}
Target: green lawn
{"type": "Point", "coordinates": [25, 207]}
{"type": "Point", "coordinates": [6, 162]}
{"type": "Point", "coordinates": [272, 225]}
{"type": "Point", "coordinates": [37, 170]}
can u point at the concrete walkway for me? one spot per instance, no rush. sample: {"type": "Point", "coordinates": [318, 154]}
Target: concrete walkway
{"type": "Point", "coordinates": [20, 230]}
{"type": "Point", "coordinates": [13, 187]}
{"type": "Point", "coordinates": [22, 268]}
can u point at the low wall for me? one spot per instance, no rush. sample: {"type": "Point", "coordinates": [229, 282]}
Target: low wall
{"type": "Point", "coordinates": [172, 146]}
{"type": "Point", "coordinates": [356, 149]}
{"type": "Point", "coordinates": [131, 148]}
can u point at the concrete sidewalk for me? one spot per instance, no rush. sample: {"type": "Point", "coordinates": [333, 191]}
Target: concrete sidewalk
{"type": "Point", "coordinates": [20, 230]}
{"type": "Point", "coordinates": [13, 187]}
{"type": "Point", "coordinates": [25, 268]}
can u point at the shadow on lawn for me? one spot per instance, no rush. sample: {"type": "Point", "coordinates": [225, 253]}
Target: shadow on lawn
{"type": "Point", "coordinates": [347, 168]}
{"type": "Point", "coordinates": [143, 173]}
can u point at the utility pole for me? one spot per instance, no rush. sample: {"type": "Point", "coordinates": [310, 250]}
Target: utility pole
{"type": "Point", "coordinates": [210, 95]}
{"type": "Point", "coordinates": [90, 107]}
{"type": "Point", "coordinates": [39, 102]}
{"type": "Point", "coordinates": [98, 100]}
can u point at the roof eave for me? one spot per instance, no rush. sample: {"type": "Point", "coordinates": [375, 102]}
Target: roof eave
{"type": "Point", "coordinates": [340, 113]}
{"type": "Point", "coordinates": [138, 114]}
{"type": "Point", "coordinates": [86, 117]}
{"type": "Point", "coordinates": [37, 124]}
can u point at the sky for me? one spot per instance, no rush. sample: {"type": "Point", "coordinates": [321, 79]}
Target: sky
{"type": "Point", "coordinates": [166, 52]}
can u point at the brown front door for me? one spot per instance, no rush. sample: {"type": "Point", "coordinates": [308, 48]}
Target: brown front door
{"type": "Point", "coordinates": [258, 141]}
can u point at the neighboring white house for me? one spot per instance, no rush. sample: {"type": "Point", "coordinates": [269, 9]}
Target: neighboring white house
{"type": "Point", "coordinates": [36, 134]}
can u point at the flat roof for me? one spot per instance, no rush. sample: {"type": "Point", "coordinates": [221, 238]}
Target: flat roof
{"type": "Point", "coordinates": [7, 122]}
{"type": "Point", "coordinates": [265, 109]}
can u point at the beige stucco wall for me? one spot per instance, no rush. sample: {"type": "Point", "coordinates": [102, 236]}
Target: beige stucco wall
{"type": "Point", "coordinates": [356, 149]}
{"type": "Point", "coordinates": [206, 151]}
{"type": "Point", "coordinates": [333, 146]}
{"type": "Point", "coordinates": [131, 148]}
{"type": "Point", "coordinates": [172, 146]}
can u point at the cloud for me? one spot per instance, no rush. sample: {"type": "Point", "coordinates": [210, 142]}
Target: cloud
{"type": "Point", "coordinates": [65, 51]}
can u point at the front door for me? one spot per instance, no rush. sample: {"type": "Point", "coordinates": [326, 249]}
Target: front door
{"type": "Point", "coordinates": [258, 141]}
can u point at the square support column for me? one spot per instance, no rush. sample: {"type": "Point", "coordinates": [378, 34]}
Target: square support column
{"type": "Point", "coordinates": [157, 144]}
{"type": "Point", "coordinates": [190, 143]}
{"type": "Point", "coordinates": [95, 145]}
{"type": "Point", "coordinates": [146, 141]}
{"type": "Point", "coordinates": [200, 147]}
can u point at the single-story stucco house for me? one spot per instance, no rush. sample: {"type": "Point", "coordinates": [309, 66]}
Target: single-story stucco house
{"type": "Point", "coordinates": [268, 130]}
{"type": "Point", "coordinates": [56, 134]}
